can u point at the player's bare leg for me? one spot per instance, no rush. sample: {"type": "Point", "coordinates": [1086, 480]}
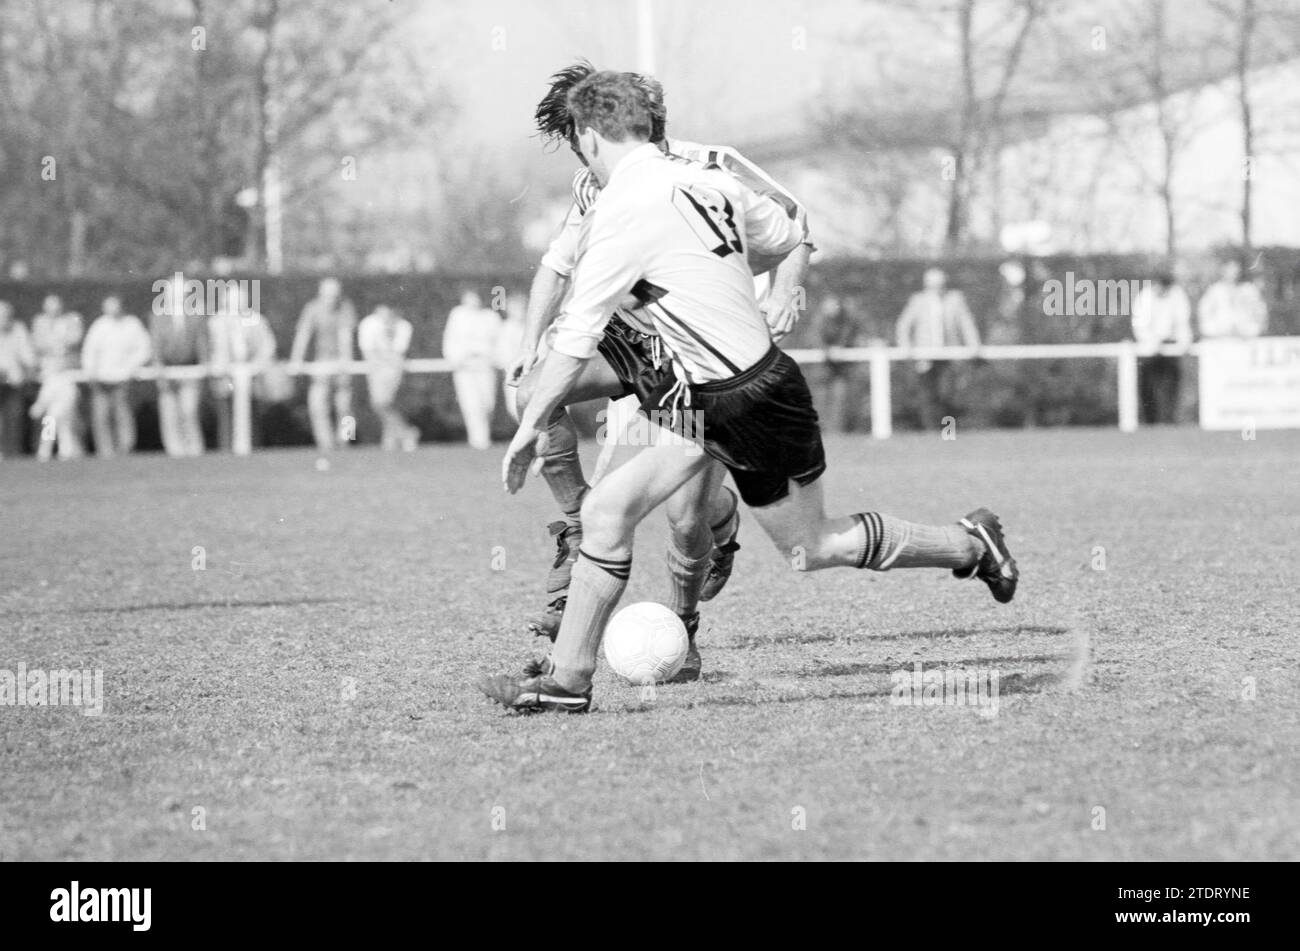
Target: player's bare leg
{"type": "Point", "coordinates": [610, 514]}
{"type": "Point", "coordinates": [719, 504]}
{"type": "Point", "coordinates": [562, 470]}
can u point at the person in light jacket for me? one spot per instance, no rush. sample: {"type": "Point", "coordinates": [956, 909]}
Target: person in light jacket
{"type": "Point", "coordinates": [384, 337]}
{"type": "Point", "coordinates": [469, 342]}
{"type": "Point", "coordinates": [239, 336]}
{"type": "Point", "coordinates": [936, 316]}
{"type": "Point", "coordinates": [1162, 315]}
{"type": "Point", "coordinates": [17, 366]}
{"type": "Point", "coordinates": [1232, 307]}
{"type": "Point", "coordinates": [117, 345]}
{"type": "Point", "coordinates": [56, 336]}
{"type": "Point", "coordinates": [180, 339]}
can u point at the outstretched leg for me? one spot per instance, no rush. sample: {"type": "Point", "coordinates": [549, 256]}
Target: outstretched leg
{"type": "Point", "coordinates": [799, 527]}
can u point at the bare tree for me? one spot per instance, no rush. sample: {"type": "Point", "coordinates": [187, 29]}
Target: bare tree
{"type": "Point", "coordinates": [980, 114]}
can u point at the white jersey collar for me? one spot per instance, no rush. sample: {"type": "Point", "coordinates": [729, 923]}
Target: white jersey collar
{"type": "Point", "coordinates": [639, 154]}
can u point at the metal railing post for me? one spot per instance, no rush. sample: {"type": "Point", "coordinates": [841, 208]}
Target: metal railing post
{"type": "Point", "coordinates": [1128, 388]}
{"type": "Point", "coordinates": [882, 408]}
{"type": "Point", "coordinates": [241, 434]}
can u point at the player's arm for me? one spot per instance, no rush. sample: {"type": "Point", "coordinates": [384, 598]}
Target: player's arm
{"type": "Point", "coordinates": [547, 292]}
{"type": "Point", "coordinates": [781, 305]}
{"type": "Point", "coordinates": [607, 268]}
{"type": "Point", "coordinates": [544, 298]}
{"type": "Point", "coordinates": [754, 178]}
{"type": "Point", "coordinates": [757, 180]}
{"type": "Point", "coordinates": [770, 233]}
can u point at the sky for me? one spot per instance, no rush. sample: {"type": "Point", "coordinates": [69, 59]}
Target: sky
{"type": "Point", "coordinates": [734, 71]}
{"type": "Point", "coordinates": [760, 75]}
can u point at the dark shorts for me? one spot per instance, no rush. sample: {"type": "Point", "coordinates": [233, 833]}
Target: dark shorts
{"type": "Point", "coordinates": [760, 424]}
{"type": "Point", "coordinates": [628, 354]}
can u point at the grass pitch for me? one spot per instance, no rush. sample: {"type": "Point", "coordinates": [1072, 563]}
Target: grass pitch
{"type": "Point", "coordinates": [308, 693]}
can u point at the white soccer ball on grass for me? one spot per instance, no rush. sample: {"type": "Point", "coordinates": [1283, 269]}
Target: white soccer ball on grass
{"type": "Point", "coordinates": [646, 643]}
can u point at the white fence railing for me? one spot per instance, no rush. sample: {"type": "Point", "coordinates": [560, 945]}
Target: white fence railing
{"type": "Point", "coordinates": [877, 358]}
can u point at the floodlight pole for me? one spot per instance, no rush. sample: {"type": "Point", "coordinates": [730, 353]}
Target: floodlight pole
{"type": "Point", "coordinates": [645, 37]}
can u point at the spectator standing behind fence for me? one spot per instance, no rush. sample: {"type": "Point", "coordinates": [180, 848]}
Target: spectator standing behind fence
{"type": "Point", "coordinates": [384, 337]}
{"type": "Point", "coordinates": [180, 339]}
{"type": "Point", "coordinates": [510, 340]}
{"type": "Point", "coordinates": [241, 337]}
{"type": "Point", "coordinates": [1162, 314]}
{"type": "Point", "coordinates": [1232, 306]}
{"type": "Point", "coordinates": [56, 337]}
{"type": "Point", "coordinates": [837, 326]}
{"type": "Point", "coordinates": [469, 344]}
{"type": "Point", "coordinates": [329, 320]}
{"type": "Point", "coordinates": [17, 364]}
{"type": "Point", "coordinates": [117, 345]}
{"type": "Point", "coordinates": [936, 317]}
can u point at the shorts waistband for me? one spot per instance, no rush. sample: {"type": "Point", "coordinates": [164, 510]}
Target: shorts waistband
{"type": "Point", "coordinates": [744, 376]}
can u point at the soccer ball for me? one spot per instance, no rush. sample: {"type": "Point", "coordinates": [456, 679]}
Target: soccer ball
{"type": "Point", "coordinates": [645, 643]}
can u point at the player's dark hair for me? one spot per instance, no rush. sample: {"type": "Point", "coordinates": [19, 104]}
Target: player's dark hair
{"type": "Point", "coordinates": [555, 122]}
{"type": "Point", "coordinates": [617, 105]}
{"type": "Point", "coordinates": [658, 111]}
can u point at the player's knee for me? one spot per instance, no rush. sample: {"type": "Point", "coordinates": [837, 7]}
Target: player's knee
{"type": "Point", "coordinates": [685, 518]}
{"type": "Point", "coordinates": [607, 522]}
{"type": "Point", "coordinates": [690, 533]}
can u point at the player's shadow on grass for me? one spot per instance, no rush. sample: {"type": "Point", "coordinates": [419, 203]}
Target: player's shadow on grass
{"type": "Point", "coordinates": [1008, 683]}
{"type": "Point", "coordinates": [189, 606]}
{"type": "Point", "coordinates": [1017, 630]}
{"type": "Point", "coordinates": [937, 664]}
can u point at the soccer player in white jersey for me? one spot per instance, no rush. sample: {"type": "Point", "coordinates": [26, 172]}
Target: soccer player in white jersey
{"type": "Point", "coordinates": [631, 363]}
{"type": "Point", "coordinates": [674, 236]}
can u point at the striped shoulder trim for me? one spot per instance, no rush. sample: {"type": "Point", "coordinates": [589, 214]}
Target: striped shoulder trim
{"type": "Point", "coordinates": [585, 190]}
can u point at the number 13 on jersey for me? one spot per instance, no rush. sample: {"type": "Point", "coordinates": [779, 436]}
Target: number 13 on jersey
{"type": "Point", "coordinates": [710, 216]}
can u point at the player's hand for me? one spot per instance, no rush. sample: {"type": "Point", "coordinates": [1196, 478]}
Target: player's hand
{"type": "Point", "coordinates": [523, 455]}
{"type": "Point", "coordinates": [519, 367]}
{"type": "Point", "coordinates": [779, 315]}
